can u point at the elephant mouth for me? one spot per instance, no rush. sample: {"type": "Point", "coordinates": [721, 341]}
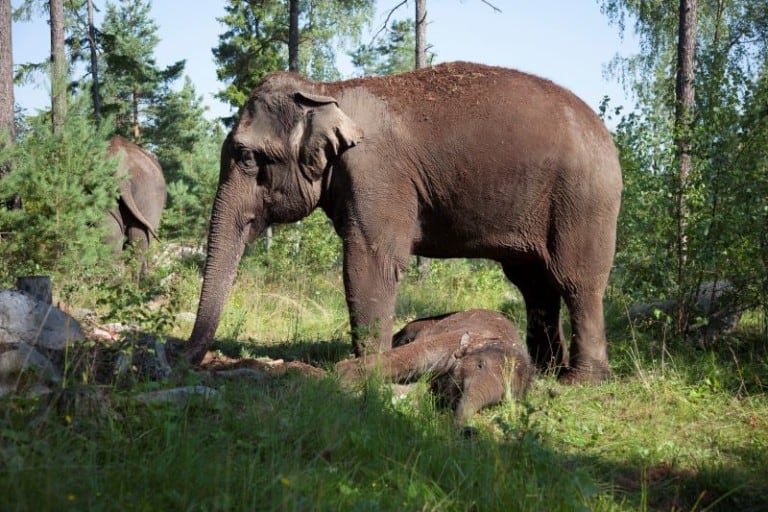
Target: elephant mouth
{"type": "Point", "coordinates": [254, 228]}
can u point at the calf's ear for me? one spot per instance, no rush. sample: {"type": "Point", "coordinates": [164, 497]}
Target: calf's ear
{"type": "Point", "coordinates": [463, 344]}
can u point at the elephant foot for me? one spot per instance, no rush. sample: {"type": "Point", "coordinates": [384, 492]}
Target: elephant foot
{"type": "Point", "coordinates": [589, 374]}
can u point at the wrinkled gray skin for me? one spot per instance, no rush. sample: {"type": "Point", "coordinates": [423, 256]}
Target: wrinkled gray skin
{"type": "Point", "coordinates": [457, 160]}
{"type": "Point", "coordinates": [136, 216]}
{"type": "Point", "coordinates": [475, 357]}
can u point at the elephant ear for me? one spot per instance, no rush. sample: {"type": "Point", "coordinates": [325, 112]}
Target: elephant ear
{"type": "Point", "coordinates": [326, 133]}
{"type": "Point", "coordinates": [463, 345]}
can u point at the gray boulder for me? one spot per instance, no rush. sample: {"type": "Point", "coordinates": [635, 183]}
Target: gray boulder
{"type": "Point", "coordinates": [24, 319]}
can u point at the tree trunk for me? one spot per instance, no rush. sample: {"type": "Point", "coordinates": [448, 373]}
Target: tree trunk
{"type": "Point", "coordinates": [684, 105]}
{"type": "Point", "coordinates": [94, 65]}
{"type": "Point", "coordinates": [421, 33]}
{"type": "Point", "coordinates": [7, 121]}
{"type": "Point", "coordinates": [293, 36]}
{"type": "Point", "coordinates": [422, 264]}
{"type": "Point", "coordinates": [135, 121]}
{"type": "Point", "coordinates": [58, 66]}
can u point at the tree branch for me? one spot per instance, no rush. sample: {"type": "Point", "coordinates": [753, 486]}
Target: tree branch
{"type": "Point", "coordinates": [489, 4]}
{"type": "Point", "coordinates": [386, 21]}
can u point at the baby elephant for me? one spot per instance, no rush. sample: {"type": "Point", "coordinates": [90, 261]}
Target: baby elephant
{"type": "Point", "coordinates": [476, 358]}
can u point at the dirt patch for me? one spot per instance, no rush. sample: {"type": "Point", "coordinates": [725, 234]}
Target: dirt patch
{"type": "Point", "coordinates": [216, 363]}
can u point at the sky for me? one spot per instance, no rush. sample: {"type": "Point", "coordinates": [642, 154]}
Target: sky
{"type": "Point", "coordinates": [567, 41]}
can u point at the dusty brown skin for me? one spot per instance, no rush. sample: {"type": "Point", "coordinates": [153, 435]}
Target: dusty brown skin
{"type": "Point", "coordinates": [475, 356]}
{"type": "Point", "coordinates": [458, 160]}
{"type": "Point", "coordinates": [136, 216]}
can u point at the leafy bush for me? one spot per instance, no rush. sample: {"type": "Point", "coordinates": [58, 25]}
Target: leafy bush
{"type": "Point", "coordinates": [66, 185]}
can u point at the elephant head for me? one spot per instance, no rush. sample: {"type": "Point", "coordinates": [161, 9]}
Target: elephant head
{"type": "Point", "coordinates": [272, 167]}
{"type": "Point", "coordinates": [485, 373]}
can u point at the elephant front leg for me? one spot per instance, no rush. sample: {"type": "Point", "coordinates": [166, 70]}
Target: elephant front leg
{"type": "Point", "coordinates": [371, 280]}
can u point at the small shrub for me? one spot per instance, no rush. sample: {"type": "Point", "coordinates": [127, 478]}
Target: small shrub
{"type": "Point", "coordinates": [66, 185]}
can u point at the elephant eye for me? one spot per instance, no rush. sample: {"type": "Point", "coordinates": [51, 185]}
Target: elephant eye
{"type": "Point", "coordinates": [246, 159]}
{"type": "Point", "coordinates": [481, 364]}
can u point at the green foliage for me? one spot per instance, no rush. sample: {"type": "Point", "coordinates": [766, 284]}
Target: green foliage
{"type": "Point", "coordinates": [309, 246]}
{"type": "Point", "coordinates": [127, 303]}
{"type": "Point", "coordinates": [395, 54]}
{"type": "Point", "coordinates": [177, 125]}
{"type": "Point", "coordinates": [255, 43]}
{"type": "Point", "coordinates": [362, 453]}
{"type": "Point", "coordinates": [132, 81]}
{"type": "Point", "coordinates": [67, 185]}
{"type": "Point", "coordinates": [726, 193]}
{"type": "Point", "coordinates": [192, 181]}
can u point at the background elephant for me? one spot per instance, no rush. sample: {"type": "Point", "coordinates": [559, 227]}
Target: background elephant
{"type": "Point", "coordinates": [476, 358]}
{"type": "Point", "coordinates": [457, 160]}
{"type": "Point", "coordinates": [136, 216]}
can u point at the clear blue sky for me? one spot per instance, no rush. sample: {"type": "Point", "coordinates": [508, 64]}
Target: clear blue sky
{"type": "Point", "coordinates": [567, 41]}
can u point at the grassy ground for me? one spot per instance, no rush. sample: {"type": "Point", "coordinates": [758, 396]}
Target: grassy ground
{"type": "Point", "coordinates": [679, 428]}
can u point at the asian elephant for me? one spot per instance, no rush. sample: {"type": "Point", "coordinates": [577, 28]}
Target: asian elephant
{"type": "Point", "coordinates": [456, 160]}
{"type": "Point", "coordinates": [475, 358]}
{"type": "Point", "coordinates": [136, 216]}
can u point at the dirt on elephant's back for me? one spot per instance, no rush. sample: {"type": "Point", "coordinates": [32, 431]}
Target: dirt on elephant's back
{"type": "Point", "coordinates": [451, 80]}
{"type": "Point", "coordinates": [466, 84]}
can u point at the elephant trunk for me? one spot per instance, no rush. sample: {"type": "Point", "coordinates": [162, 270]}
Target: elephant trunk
{"type": "Point", "coordinates": [472, 400]}
{"type": "Point", "coordinates": [226, 243]}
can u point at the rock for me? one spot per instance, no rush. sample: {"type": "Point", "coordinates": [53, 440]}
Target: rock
{"type": "Point", "coordinates": [24, 359]}
{"type": "Point", "coordinates": [241, 373]}
{"type": "Point", "coordinates": [143, 358]}
{"type": "Point", "coordinates": [179, 396]}
{"type": "Point", "coordinates": [186, 316]}
{"type": "Point", "coordinates": [24, 319]}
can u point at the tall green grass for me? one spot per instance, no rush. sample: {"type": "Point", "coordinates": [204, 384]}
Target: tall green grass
{"type": "Point", "coordinates": [679, 428]}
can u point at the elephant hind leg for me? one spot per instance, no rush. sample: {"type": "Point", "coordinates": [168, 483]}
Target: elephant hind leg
{"type": "Point", "coordinates": [544, 335]}
{"type": "Point", "coordinates": [138, 241]}
{"type": "Point", "coordinates": [589, 355]}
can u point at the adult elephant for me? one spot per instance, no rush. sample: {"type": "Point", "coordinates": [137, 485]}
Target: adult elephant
{"type": "Point", "coordinates": [457, 160]}
{"type": "Point", "coordinates": [136, 216]}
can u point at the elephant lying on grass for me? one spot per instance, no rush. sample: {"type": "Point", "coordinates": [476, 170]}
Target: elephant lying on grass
{"type": "Point", "coordinates": [475, 357]}
{"type": "Point", "coordinates": [456, 160]}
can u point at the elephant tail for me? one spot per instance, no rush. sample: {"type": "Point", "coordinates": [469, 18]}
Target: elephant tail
{"type": "Point", "coordinates": [131, 204]}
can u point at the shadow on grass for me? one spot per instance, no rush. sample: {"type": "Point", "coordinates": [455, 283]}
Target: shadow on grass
{"type": "Point", "coordinates": [287, 444]}
{"type": "Point", "coordinates": [664, 486]}
{"type": "Point", "coordinates": [637, 485]}
{"type": "Point", "coordinates": [316, 353]}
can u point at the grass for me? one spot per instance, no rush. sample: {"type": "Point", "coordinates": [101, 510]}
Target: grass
{"type": "Point", "coordinates": [679, 428]}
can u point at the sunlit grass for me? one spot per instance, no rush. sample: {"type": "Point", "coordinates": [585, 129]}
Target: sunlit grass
{"type": "Point", "coordinates": [679, 427]}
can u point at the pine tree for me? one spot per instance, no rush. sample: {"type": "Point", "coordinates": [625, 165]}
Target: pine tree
{"type": "Point", "coordinates": [132, 80]}
{"type": "Point", "coordinates": [58, 65]}
{"type": "Point", "coordinates": [177, 124]}
{"type": "Point", "coordinates": [257, 40]}
{"type": "Point", "coordinates": [7, 120]}
{"type": "Point", "coordinates": [395, 54]}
